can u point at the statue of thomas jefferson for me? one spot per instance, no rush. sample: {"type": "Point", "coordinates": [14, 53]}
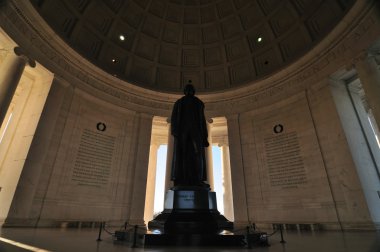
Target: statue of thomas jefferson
{"type": "Point", "coordinates": [188, 126]}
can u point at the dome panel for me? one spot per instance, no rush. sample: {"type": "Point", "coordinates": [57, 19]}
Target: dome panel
{"type": "Point", "coordinates": [127, 32]}
{"type": "Point", "coordinates": [191, 16]}
{"type": "Point", "coordinates": [268, 61]}
{"type": "Point", "coordinates": [75, 4]}
{"type": "Point", "coordinates": [152, 26]}
{"type": "Point", "coordinates": [213, 56]}
{"type": "Point", "coordinates": [251, 16]}
{"type": "Point", "coordinates": [225, 8]}
{"type": "Point", "coordinates": [306, 7]}
{"type": "Point", "coordinates": [192, 2]}
{"type": "Point", "coordinates": [215, 79]}
{"type": "Point", "coordinates": [191, 35]}
{"type": "Point", "coordinates": [172, 33]}
{"type": "Point", "coordinates": [218, 44]}
{"type": "Point", "coordinates": [158, 8]}
{"type": "Point", "coordinates": [99, 17]}
{"type": "Point", "coordinates": [318, 24]}
{"type": "Point", "coordinates": [241, 72]}
{"type": "Point", "coordinates": [168, 78]}
{"type": "Point", "coordinates": [231, 27]}
{"type": "Point", "coordinates": [210, 34]}
{"type": "Point", "coordinates": [86, 41]}
{"type": "Point", "coordinates": [194, 77]}
{"type": "Point", "coordinates": [114, 59]}
{"type": "Point", "coordinates": [241, 3]}
{"type": "Point", "coordinates": [133, 15]}
{"type": "Point", "coordinates": [284, 19]}
{"type": "Point", "coordinates": [268, 6]}
{"type": "Point", "coordinates": [114, 5]}
{"type": "Point", "coordinates": [141, 71]}
{"type": "Point", "coordinates": [295, 43]}
{"type": "Point", "coordinates": [190, 57]}
{"type": "Point", "coordinates": [146, 48]}
{"type": "Point", "coordinates": [260, 37]}
{"type": "Point", "coordinates": [63, 23]}
{"type": "Point", "coordinates": [169, 55]}
{"type": "Point", "coordinates": [143, 3]}
{"type": "Point", "coordinates": [208, 14]}
{"type": "Point", "coordinates": [236, 49]}
{"type": "Point", "coordinates": [174, 14]}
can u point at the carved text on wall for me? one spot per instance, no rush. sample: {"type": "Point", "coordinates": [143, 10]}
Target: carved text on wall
{"type": "Point", "coordinates": [94, 159]}
{"type": "Point", "coordinates": [284, 162]}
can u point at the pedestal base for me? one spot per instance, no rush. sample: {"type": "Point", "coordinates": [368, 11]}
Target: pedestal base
{"type": "Point", "coordinates": [194, 240]}
{"type": "Point", "coordinates": [191, 218]}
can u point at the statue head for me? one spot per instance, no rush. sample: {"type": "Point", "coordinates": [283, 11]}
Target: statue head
{"type": "Point", "coordinates": [189, 90]}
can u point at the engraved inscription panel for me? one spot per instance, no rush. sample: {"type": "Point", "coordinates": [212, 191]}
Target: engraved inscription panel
{"type": "Point", "coordinates": [94, 159]}
{"type": "Point", "coordinates": [284, 161]}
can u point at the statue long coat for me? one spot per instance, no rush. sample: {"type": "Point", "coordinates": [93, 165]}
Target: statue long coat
{"type": "Point", "coordinates": [188, 126]}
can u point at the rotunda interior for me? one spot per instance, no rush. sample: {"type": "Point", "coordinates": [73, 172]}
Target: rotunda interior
{"type": "Point", "coordinates": [291, 92]}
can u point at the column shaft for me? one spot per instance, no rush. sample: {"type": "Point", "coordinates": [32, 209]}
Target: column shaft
{"type": "Point", "coordinates": [369, 75]}
{"type": "Point", "coordinates": [10, 75]}
{"type": "Point", "coordinates": [237, 172]}
{"type": "Point", "coordinates": [144, 132]}
{"type": "Point", "coordinates": [151, 183]}
{"type": "Point", "coordinates": [169, 159]}
{"type": "Point", "coordinates": [209, 161]}
{"type": "Point", "coordinates": [227, 195]}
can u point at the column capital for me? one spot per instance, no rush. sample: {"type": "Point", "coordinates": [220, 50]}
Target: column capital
{"type": "Point", "coordinates": [210, 120]}
{"type": "Point", "coordinates": [231, 117]}
{"type": "Point", "coordinates": [21, 53]}
{"type": "Point", "coordinates": [365, 55]}
{"type": "Point", "coordinates": [223, 144]}
{"type": "Point", "coordinates": [145, 116]}
{"type": "Point", "coordinates": [154, 143]}
{"type": "Point", "coordinates": [374, 51]}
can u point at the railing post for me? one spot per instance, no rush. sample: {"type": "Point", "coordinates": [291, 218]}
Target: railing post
{"type": "Point", "coordinates": [100, 231]}
{"type": "Point", "coordinates": [248, 239]}
{"type": "Point", "coordinates": [135, 237]}
{"type": "Point", "coordinates": [282, 236]}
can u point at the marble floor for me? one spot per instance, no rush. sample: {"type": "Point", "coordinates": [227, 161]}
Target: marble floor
{"type": "Point", "coordinates": [83, 240]}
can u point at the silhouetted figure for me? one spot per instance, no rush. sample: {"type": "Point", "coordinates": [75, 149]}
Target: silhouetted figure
{"type": "Point", "coordinates": [188, 126]}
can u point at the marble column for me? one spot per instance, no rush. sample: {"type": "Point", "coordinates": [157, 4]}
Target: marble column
{"type": "Point", "coordinates": [151, 182]}
{"type": "Point", "coordinates": [169, 158]}
{"type": "Point", "coordinates": [369, 75]}
{"type": "Point", "coordinates": [143, 136]}
{"type": "Point", "coordinates": [237, 172]}
{"type": "Point", "coordinates": [10, 75]}
{"type": "Point", "coordinates": [226, 175]}
{"type": "Point", "coordinates": [36, 169]}
{"type": "Point", "coordinates": [209, 161]}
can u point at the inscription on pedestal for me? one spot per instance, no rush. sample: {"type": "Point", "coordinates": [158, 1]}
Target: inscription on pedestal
{"type": "Point", "coordinates": [284, 162]}
{"type": "Point", "coordinates": [94, 159]}
{"type": "Point", "coordinates": [190, 200]}
{"type": "Point", "coordinates": [185, 199]}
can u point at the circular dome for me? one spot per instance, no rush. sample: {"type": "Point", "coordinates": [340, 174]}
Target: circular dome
{"type": "Point", "coordinates": [218, 44]}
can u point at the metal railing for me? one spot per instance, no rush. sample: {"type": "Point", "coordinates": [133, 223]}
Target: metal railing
{"type": "Point", "coordinates": [123, 234]}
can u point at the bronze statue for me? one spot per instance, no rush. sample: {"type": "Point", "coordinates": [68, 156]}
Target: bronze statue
{"type": "Point", "coordinates": [188, 126]}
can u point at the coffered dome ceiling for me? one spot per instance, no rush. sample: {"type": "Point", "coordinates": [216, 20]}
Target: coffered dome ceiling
{"type": "Point", "coordinates": [218, 44]}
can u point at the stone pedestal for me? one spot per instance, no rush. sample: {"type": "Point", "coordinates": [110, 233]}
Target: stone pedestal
{"type": "Point", "coordinates": [190, 218]}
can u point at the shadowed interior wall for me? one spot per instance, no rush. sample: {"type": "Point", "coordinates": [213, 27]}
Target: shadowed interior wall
{"type": "Point", "coordinates": [82, 164]}
{"type": "Point", "coordinates": [293, 175]}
